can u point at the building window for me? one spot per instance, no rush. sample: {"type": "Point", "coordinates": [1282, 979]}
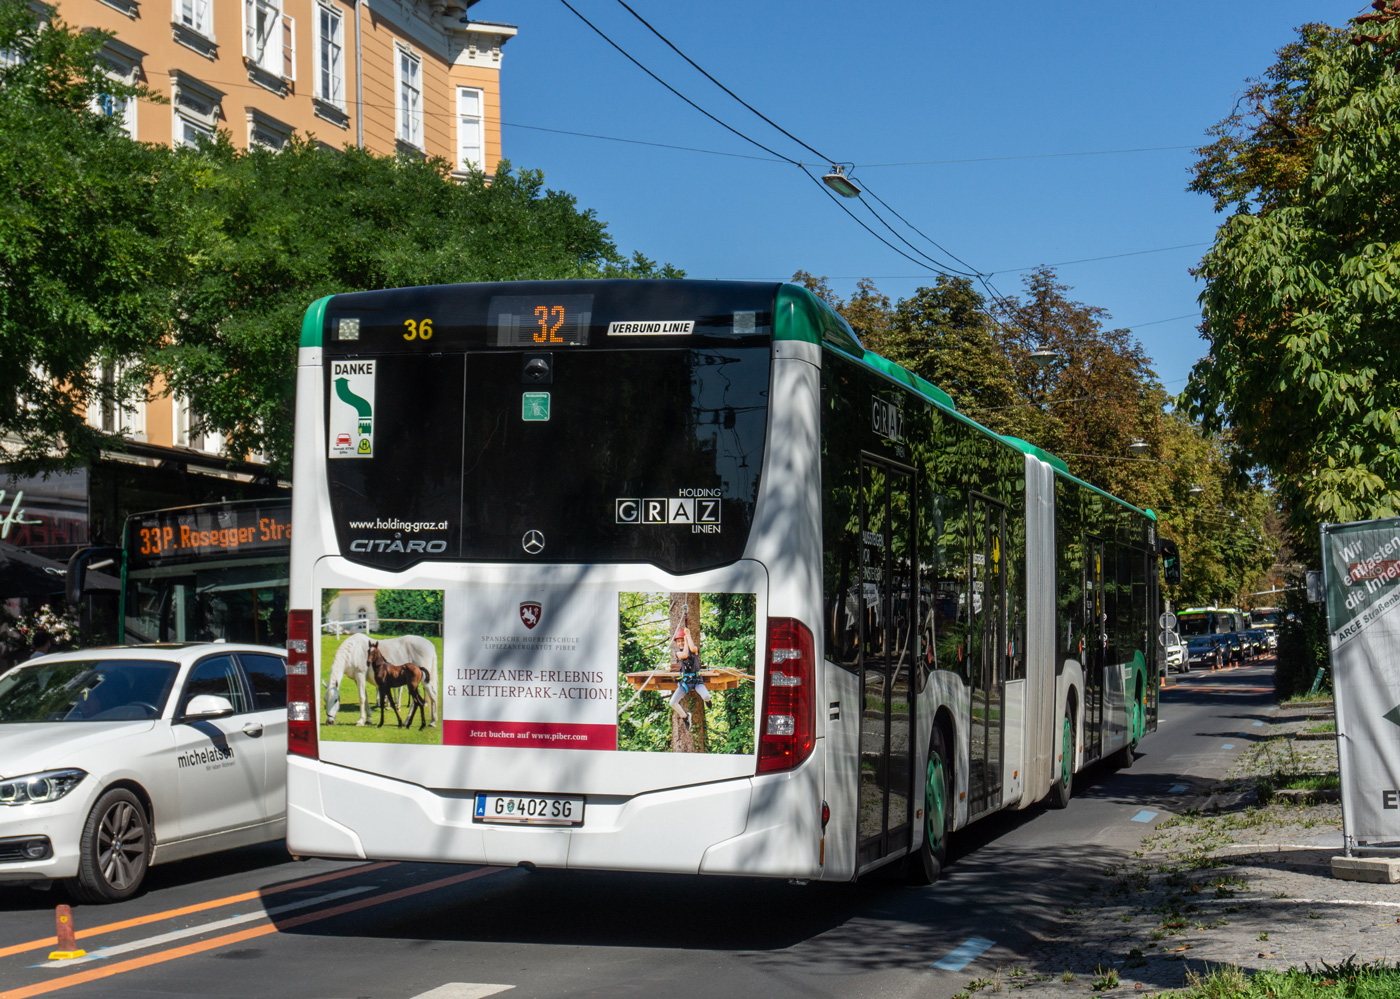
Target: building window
{"type": "Point", "coordinates": [196, 109]}
{"type": "Point", "coordinates": [109, 415]}
{"type": "Point", "coordinates": [189, 132]}
{"type": "Point", "coordinates": [189, 433]}
{"type": "Point", "coordinates": [265, 131]}
{"type": "Point", "coordinates": [269, 38]}
{"type": "Point", "coordinates": [410, 103]}
{"type": "Point", "coordinates": [196, 16]}
{"type": "Point", "coordinates": [470, 138]}
{"type": "Point", "coordinates": [120, 109]}
{"type": "Point", "coordinates": [122, 64]}
{"type": "Point", "coordinates": [330, 50]}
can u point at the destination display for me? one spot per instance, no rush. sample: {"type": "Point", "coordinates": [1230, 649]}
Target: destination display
{"type": "Point", "coordinates": [207, 531]}
{"type": "Point", "coordinates": [548, 316]}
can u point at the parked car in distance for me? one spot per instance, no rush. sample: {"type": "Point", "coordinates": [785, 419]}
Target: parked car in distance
{"type": "Point", "coordinates": [1204, 652]}
{"type": "Point", "coordinates": [115, 759]}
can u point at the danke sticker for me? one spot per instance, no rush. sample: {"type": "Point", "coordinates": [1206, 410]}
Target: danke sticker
{"type": "Point", "coordinates": [352, 409]}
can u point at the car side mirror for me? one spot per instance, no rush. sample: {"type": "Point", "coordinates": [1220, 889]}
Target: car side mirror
{"type": "Point", "coordinates": [203, 707]}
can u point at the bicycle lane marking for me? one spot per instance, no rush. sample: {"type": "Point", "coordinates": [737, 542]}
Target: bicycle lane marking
{"type": "Point", "coordinates": [107, 953]}
{"type": "Point", "coordinates": [216, 903]}
{"type": "Point", "coordinates": [161, 957]}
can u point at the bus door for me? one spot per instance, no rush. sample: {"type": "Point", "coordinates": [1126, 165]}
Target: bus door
{"type": "Point", "coordinates": [889, 594]}
{"type": "Point", "coordinates": [986, 638]}
{"type": "Point", "coordinates": [1096, 642]}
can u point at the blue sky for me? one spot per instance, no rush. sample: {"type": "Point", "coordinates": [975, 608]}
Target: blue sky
{"type": "Point", "coordinates": [901, 82]}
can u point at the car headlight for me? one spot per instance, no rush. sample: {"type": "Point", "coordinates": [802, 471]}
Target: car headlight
{"type": "Point", "coordinates": [47, 786]}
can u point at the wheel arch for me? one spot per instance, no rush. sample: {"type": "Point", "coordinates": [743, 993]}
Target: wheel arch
{"type": "Point", "coordinates": [142, 795]}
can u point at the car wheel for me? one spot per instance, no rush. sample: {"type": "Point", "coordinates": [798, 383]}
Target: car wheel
{"type": "Point", "coordinates": [928, 861]}
{"type": "Point", "coordinates": [1061, 790]}
{"type": "Point", "coordinates": [115, 849]}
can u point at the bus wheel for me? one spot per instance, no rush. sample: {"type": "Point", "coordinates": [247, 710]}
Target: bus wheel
{"type": "Point", "coordinates": [926, 862]}
{"type": "Point", "coordinates": [1060, 790]}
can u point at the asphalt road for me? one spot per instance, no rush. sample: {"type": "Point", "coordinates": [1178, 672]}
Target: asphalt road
{"type": "Point", "coordinates": [254, 923]}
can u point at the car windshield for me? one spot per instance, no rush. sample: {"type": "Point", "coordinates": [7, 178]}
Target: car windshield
{"type": "Point", "coordinates": [86, 690]}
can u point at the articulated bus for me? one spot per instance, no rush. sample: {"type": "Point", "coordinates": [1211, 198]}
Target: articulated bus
{"type": "Point", "coordinates": [704, 586]}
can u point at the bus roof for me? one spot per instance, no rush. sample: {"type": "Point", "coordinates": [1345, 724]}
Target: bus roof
{"type": "Point", "coordinates": [801, 315]}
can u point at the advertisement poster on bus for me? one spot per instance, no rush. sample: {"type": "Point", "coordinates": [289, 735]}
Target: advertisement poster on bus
{"type": "Point", "coordinates": [1361, 563]}
{"type": "Point", "coordinates": [530, 667]}
{"type": "Point", "coordinates": [381, 640]}
{"type": "Point", "coordinates": [686, 672]}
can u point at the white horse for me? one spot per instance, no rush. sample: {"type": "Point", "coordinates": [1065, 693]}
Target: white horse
{"type": "Point", "coordinates": [352, 659]}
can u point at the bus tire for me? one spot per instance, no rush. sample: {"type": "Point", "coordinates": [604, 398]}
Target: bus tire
{"type": "Point", "coordinates": [1063, 788]}
{"type": "Point", "coordinates": [114, 851]}
{"type": "Point", "coordinates": [927, 861]}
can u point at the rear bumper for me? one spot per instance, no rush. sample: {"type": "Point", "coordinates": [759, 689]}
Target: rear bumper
{"type": "Point", "coordinates": [768, 826]}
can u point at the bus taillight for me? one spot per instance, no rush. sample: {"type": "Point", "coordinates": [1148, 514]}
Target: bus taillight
{"type": "Point", "coordinates": [788, 725]}
{"type": "Point", "coordinates": [301, 694]}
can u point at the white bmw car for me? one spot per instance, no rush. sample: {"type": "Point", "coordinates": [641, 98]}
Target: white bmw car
{"type": "Point", "coordinates": [115, 759]}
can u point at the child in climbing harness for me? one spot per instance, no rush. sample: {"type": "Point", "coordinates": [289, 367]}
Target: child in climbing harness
{"type": "Point", "coordinates": [685, 659]}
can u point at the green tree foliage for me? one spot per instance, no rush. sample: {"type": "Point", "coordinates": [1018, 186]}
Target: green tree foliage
{"type": "Point", "coordinates": [199, 264]}
{"type": "Point", "coordinates": [1302, 289]}
{"type": "Point", "coordinates": [408, 607]}
{"type": "Point", "coordinates": [95, 232]}
{"type": "Point", "coordinates": [307, 221]}
{"type": "Point", "coordinates": [1098, 396]}
{"type": "Point", "coordinates": [1263, 149]}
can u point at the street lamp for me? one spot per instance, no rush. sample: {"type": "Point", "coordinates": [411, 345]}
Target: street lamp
{"type": "Point", "coordinates": [1138, 448]}
{"type": "Point", "coordinates": [840, 183]}
{"type": "Point", "coordinates": [1042, 357]}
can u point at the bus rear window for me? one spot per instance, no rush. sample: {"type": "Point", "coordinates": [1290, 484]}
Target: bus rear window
{"type": "Point", "coordinates": [618, 455]}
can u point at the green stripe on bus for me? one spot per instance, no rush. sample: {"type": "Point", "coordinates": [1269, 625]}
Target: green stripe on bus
{"type": "Point", "coordinates": [314, 322]}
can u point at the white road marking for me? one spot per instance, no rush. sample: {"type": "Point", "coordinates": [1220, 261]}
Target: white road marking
{"type": "Point", "coordinates": [1144, 816]}
{"type": "Point", "coordinates": [194, 931]}
{"type": "Point", "coordinates": [1178, 789]}
{"type": "Point", "coordinates": [1341, 901]}
{"type": "Point", "coordinates": [1228, 745]}
{"type": "Point", "coordinates": [463, 990]}
{"type": "Point", "coordinates": [961, 957]}
{"type": "Point", "coordinates": [1258, 724]}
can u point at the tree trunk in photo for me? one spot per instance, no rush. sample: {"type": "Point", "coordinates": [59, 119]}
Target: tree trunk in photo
{"type": "Point", "coordinates": [687, 606]}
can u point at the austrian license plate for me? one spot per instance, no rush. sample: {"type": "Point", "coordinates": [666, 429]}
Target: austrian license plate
{"type": "Point", "coordinates": [529, 810]}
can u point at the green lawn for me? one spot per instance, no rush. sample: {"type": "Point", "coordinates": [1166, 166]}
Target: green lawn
{"type": "Point", "coordinates": [345, 729]}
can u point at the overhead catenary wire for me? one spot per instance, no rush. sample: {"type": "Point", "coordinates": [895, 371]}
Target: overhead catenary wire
{"type": "Point", "coordinates": [775, 158]}
{"type": "Point", "coordinates": [628, 56]}
{"type": "Point", "coordinates": [929, 262]}
{"type": "Point", "coordinates": [701, 70]}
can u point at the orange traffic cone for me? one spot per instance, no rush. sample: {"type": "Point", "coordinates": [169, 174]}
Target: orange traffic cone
{"type": "Point", "coordinates": [67, 941]}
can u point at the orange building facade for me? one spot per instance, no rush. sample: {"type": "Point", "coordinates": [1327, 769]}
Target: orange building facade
{"type": "Point", "coordinates": [414, 76]}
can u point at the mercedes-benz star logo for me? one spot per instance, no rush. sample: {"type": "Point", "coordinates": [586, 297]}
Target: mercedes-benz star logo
{"type": "Point", "coordinates": [533, 542]}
